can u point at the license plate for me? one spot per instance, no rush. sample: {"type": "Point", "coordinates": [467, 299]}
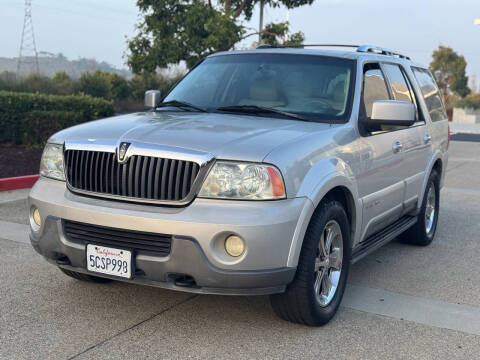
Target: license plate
{"type": "Point", "coordinates": [110, 261]}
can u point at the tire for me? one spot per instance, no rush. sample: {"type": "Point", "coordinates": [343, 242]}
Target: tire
{"type": "Point", "coordinates": [84, 277]}
{"type": "Point", "coordinates": [423, 232]}
{"type": "Point", "coordinates": [300, 303]}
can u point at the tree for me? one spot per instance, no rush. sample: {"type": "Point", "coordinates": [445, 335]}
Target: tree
{"type": "Point", "coordinates": [278, 34]}
{"type": "Point", "coordinates": [96, 84]}
{"type": "Point", "coordinates": [245, 7]}
{"type": "Point", "coordinates": [35, 82]}
{"type": "Point", "coordinates": [171, 31]}
{"type": "Point", "coordinates": [147, 81]}
{"type": "Point", "coordinates": [119, 86]}
{"type": "Point", "coordinates": [62, 83]}
{"type": "Point", "coordinates": [449, 70]}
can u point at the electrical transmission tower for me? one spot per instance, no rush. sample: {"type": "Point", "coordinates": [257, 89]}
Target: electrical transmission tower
{"type": "Point", "coordinates": [28, 56]}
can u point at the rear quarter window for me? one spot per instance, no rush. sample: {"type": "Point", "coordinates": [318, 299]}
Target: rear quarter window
{"type": "Point", "coordinates": [431, 94]}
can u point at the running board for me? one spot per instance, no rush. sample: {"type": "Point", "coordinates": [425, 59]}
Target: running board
{"type": "Point", "coordinates": [382, 237]}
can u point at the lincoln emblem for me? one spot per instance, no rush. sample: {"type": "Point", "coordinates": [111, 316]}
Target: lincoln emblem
{"type": "Point", "coordinates": [122, 151]}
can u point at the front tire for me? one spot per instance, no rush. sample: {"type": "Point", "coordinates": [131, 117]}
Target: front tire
{"type": "Point", "coordinates": [317, 289]}
{"type": "Point", "coordinates": [423, 232]}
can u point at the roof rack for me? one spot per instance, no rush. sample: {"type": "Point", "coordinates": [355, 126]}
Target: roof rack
{"type": "Point", "coordinates": [360, 48]}
{"type": "Point", "coordinates": [381, 51]}
{"type": "Point", "coordinates": [265, 46]}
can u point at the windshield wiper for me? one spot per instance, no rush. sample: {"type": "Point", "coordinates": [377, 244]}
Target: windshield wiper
{"type": "Point", "coordinates": [182, 105]}
{"type": "Point", "coordinates": [254, 109]}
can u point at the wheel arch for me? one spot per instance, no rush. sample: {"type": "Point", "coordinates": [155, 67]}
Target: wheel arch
{"type": "Point", "coordinates": [437, 162]}
{"type": "Point", "coordinates": [438, 166]}
{"type": "Point", "coordinates": [335, 186]}
{"type": "Point", "coordinates": [343, 195]}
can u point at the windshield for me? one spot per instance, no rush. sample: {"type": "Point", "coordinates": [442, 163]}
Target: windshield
{"type": "Point", "coordinates": [314, 87]}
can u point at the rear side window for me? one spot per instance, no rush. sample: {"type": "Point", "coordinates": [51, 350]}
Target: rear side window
{"type": "Point", "coordinates": [431, 94]}
{"type": "Point", "coordinates": [374, 88]}
{"type": "Point", "coordinates": [399, 86]}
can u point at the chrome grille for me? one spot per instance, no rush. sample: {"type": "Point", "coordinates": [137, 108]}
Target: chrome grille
{"type": "Point", "coordinates": [141, 177]}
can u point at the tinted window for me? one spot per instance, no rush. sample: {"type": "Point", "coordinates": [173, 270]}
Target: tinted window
{"type": "Point", "coordinates": [398, 83]}
{"type": "Point", "coordinates": [431, 94]}
{"type": "Point", "coordinates": [374, 88]}
{"type": "Point", "coordinates": [315, 87]}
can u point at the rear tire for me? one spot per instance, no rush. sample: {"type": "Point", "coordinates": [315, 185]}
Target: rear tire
{"type": "Point", "coordinates": [309, 299]}
{"type": "Point", "coordinates": [84, 277]}
{"type": "Point", "coordinates": [423, 232]}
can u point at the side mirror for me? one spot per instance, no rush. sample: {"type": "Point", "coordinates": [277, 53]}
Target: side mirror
{"type": "Point", "coordinates": [152, 99]}
{"type": "Point", "coordinates": [392, 112]}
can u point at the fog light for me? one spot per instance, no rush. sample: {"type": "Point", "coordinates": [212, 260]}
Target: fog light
{"type": "Point", "coordinates": [36, 217]}
{"type": "Point", "coordinates": [235, 246]}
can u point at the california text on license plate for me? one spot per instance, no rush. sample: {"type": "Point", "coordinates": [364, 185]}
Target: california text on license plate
{"type": "Point", "coordinates": [110, 261]}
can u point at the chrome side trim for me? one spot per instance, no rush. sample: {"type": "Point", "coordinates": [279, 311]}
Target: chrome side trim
{"type": "Point", "coordinates": [204, 160]}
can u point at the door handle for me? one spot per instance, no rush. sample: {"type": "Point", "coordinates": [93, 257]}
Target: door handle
{"type": "Point", "coordinates": [397, 146]}
{"type": "Point", "coordinates": [427, 138]}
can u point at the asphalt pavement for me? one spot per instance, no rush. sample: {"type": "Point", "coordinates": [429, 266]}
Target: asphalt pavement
{"type": "Point", "coordinates": [402, 302]}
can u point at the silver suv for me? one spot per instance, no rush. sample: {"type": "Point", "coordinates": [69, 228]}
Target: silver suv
{"type": "Point", "coordinates": [262, 172]}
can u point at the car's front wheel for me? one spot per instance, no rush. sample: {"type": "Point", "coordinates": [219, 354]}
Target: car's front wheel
{"type": "Point", "coordinates": [317, 289]}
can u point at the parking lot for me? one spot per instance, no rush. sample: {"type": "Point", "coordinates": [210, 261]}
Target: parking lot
{"type": "Point", "coordinates": [401, 302]}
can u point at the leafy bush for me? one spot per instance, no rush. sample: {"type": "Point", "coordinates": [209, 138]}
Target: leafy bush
{"type": "Point", "coordinates": [59, 84]}
{"type": "Point", "coordinates": [31, 118]}
{"type": "Point", "coordinates": [127, 95]}
{"type": "Point", "coordinates": [39, 125]}
{"type": "Point", "coordinates": [471, 101]}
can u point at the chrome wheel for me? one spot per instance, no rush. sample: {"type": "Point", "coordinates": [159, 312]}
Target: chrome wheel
{"type": "Point", "coordinates": [430, 209]}
{"type": "Point", "coordinates": [328, 263]}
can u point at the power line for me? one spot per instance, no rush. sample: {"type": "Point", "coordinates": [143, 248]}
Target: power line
{"type": "Point", "coordinates": [28, 55]}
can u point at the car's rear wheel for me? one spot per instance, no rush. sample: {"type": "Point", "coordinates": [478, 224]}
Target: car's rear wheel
{"type": "Point", "coordinates": [423, 232]}
{"type": "Point", "coordinates": [317, 289]}
{"type": "Point", "coordinates": [84, 277]}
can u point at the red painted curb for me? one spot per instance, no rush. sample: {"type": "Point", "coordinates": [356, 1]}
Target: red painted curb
{"type": "Point", "coordinates": [20, 182]}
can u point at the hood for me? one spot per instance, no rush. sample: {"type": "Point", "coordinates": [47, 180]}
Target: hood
{"type": "Point", "coordinates": [225, 136]}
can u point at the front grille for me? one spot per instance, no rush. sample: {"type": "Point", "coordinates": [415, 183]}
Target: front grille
{"type": "Point", "coordinates": [142, 242]}
{"type": "Point", "coordinates": [141, 177]}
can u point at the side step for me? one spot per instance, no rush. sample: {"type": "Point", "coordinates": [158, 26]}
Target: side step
{"type": "Point", "coordinates": [382, 237]}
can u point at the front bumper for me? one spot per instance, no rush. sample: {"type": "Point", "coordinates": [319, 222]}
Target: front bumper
{"type": "Point", "coordinates": [198, 230]}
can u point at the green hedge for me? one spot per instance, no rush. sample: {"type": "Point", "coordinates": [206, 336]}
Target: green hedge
{"type": "Point", "coordinates": [30, 119]}
{"type": "Point", "coordinates": [471, 101]}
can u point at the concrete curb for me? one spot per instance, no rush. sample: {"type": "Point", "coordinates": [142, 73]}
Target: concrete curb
{"type": "Point", "coordinates": [19, 182]}
{"type": "Point", "coordinates": [460, 128]}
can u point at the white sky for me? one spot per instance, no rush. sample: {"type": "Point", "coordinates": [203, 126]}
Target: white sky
{"type": "Point", "coordinates": [98, 29]}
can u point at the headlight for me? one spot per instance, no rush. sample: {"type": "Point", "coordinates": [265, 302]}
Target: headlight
{"type": "Point", "coordinates": [51, 164]}
{"type": "Point", "coordinates": [230, 180]}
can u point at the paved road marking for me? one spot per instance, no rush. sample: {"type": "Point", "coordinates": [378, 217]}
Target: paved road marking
{"type": "Point", "coordinates": [14, 232]}
{"type": "Point", "coordinates": [441, 314]}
